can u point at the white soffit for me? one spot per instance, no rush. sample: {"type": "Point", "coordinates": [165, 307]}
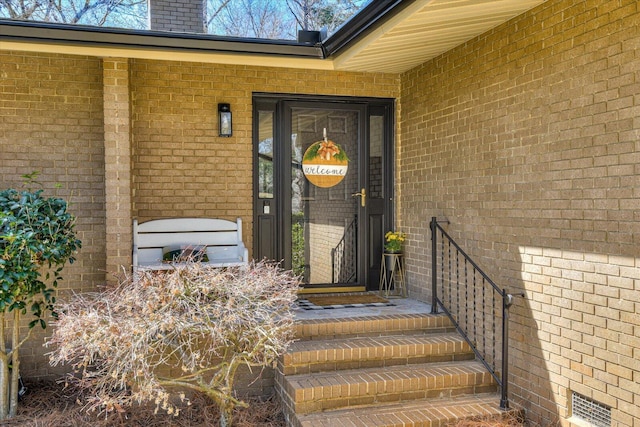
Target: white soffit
{"type": "Point", "coordinates": [424, 30]}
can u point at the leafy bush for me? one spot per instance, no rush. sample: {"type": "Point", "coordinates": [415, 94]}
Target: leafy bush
{"type": "Point", "coordinates": [187, 328]}
{"type": "Point", "coordinates": [36, 236]}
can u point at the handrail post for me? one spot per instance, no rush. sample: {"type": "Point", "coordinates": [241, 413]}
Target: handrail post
{"type": "Point", "coordinates": [434, 267]}
{"type": "Point", "coordinates": [507, 300]}
{"type": "Point", "coordinates": [333, 265]}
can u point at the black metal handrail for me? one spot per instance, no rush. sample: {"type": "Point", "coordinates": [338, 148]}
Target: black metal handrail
{"type": "Point", "coordinates": [471, 300]}
{"type": "Point", "coordinates": [343, 255]}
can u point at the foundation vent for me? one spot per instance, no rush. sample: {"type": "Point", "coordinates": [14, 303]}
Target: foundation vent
{"type": "Point", "coordinates": [597, 414]}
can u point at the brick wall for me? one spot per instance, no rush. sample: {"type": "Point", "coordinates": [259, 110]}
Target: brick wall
{"type": "Point", "coordinates": [117, 184]}
{"type": "Point", "coordinates": [181, 167]}
{"type": "Point", "coordinates": [149, 128]}
{"type": "Point", "coordinates": [51, 121]}
{"type": "Point", "coordinates": [527, 139]}
{"type": "Point", "coordinates": [182, 16]}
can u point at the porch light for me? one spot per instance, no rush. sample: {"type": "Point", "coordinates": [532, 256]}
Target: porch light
{"type": "Point", "coordinates": [224, 120]}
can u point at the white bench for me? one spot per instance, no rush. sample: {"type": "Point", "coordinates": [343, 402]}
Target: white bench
{"type": "Point", "coordinates": [221, 238]}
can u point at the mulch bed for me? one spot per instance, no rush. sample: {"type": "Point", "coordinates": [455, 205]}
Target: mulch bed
{"type": "Point", "coordinates": [48, 404]}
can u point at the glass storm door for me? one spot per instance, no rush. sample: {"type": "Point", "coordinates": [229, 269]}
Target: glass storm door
{"type": "Point", "coordinates": [320, 199]}
{"type": "Point", "coordinates": [325, 195]}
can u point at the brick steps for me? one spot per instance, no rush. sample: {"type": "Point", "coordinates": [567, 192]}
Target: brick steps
{"type": "Point", "coordinates": [331, 390]}
{"type": "Point", "coordinates": [305, 357]}
{"type": "Point", "coordinates": [424, 412]}
{"type": "Point", "coordinates": [404, 370]}
{"type": "Point", "coordinates": [321, 329]}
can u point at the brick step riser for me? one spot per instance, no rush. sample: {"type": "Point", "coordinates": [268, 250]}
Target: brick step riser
{"type": "Point", "coordinates": [337, 396]}
{"type": "Point", "coordinates": [328, 405]}
{"type": "Point", "coordinates": [319, 330]}
{"type": "Point", "coordinates": [376, 333]}
{"type": "Point", "coordinates": [326, 360]}
{"type": "Point", "coordinates": [412, 416]}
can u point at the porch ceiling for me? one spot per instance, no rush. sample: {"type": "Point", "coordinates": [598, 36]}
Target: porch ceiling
{"type": "Point", "coordinates": [424, 30]}
{"type": "Point", "coordinates": [417, 31]}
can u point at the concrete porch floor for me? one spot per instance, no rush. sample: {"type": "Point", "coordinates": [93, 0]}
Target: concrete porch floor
{"type": "Point", "coordinates": [402, 306]}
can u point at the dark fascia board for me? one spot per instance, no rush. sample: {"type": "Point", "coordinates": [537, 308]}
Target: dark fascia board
{"type": "Point", "coordinates": [78, 35]}
{"type": "Point", "coordinates": [376, 13]}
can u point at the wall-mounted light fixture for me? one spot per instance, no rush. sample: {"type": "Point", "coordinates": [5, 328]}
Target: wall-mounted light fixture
{"type": "Point", "coordinates": [224, 122]}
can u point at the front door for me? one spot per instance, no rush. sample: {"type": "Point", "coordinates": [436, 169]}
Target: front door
{"type": "Point", "coordinates": [323, 188]}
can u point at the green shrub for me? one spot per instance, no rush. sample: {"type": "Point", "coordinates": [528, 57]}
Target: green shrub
{"type": "Point", "coordinates": [37, 237]}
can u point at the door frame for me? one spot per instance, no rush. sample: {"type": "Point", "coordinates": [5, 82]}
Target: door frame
{"type": "Point", "coordinates": [370, 248]}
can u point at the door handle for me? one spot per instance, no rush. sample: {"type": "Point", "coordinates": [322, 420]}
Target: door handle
{"type": "Point", "coordinates": [363, 197]}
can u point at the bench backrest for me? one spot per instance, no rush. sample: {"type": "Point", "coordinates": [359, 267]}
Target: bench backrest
{"type": "Point", "coordinates": [151, 238]}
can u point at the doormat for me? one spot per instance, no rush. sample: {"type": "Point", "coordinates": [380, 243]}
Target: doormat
{"type": "Point", "coordinates": [324, 302]}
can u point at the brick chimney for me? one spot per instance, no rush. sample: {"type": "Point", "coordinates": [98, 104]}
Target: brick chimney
{"type": "Point", "coordinates": [182, 16]}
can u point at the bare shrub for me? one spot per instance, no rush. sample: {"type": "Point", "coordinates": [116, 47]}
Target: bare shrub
{"type": "Point", "coordinates": [162, 333]}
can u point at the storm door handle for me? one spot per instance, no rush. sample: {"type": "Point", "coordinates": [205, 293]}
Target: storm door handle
{"type": "Point", "coordinates": [363, 197]}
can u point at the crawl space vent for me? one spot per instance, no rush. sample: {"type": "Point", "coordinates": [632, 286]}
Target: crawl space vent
{"type": "Point", "coordinates": [588, 410]}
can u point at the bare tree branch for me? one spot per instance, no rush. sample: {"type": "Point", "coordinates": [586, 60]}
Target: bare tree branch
{"type": "Point", "coordinates": [239, 18]}
{"type": "Point", "coordinates": [122, 13]}
{"type": "Point", "coordinates": [268, 19]}
{"type": "Point", "coordinates": [213, 10]}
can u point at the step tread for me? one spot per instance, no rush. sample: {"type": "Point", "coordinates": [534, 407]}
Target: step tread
{"type": "Point", "coordinates": [400, 372]}
{"type": "Point", "coordinates": [319, 329]}
{"type": "Point", "coordinates": [362, 352]}
{"type": "Point", "coordinates": [315, 392]}
{"type": "Point", "coordinates": [378, 341]}
{"type": "Point", "coordinates": [435, 412]}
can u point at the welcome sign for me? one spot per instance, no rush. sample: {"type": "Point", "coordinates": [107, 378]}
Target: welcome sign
{"type": "Point", "coordinates": [325, 164]}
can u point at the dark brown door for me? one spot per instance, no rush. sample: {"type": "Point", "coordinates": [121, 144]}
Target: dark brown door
{"type": "Point", "coordinates": [329, 234]}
